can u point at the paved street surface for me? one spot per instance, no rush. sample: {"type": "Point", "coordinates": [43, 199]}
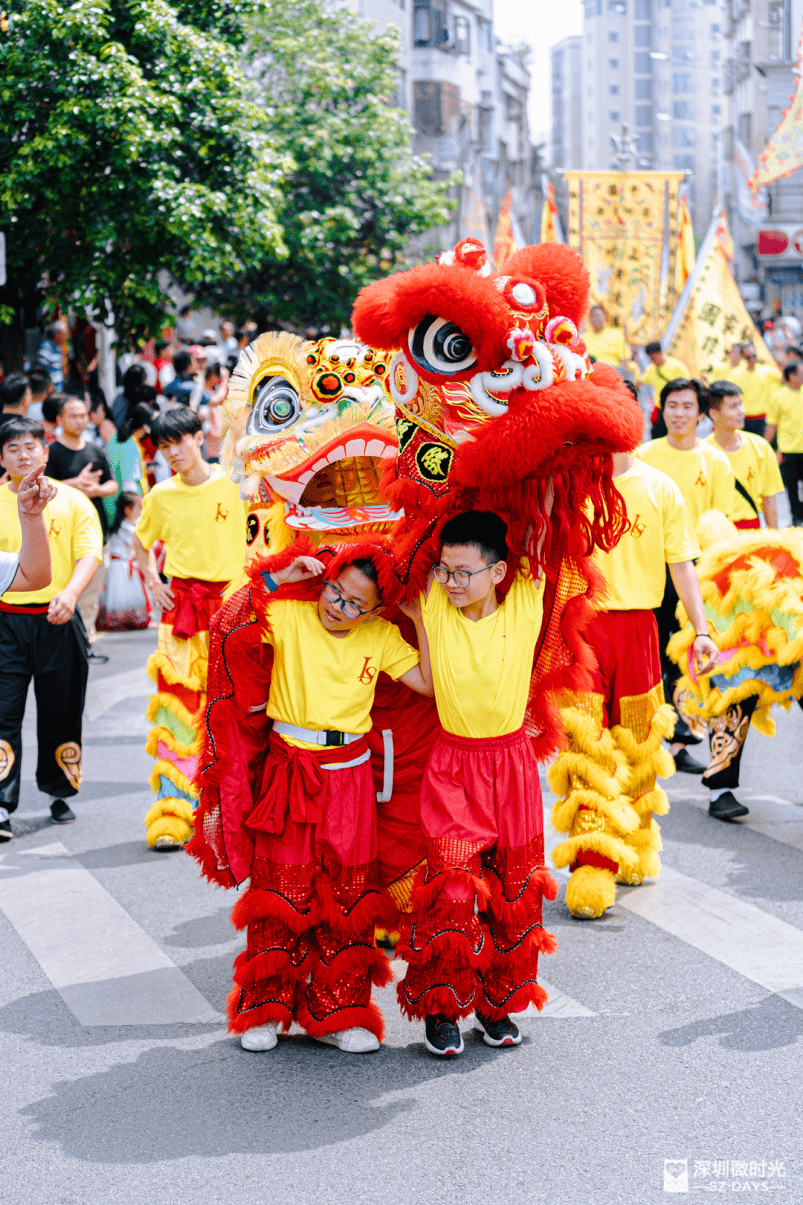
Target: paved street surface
{"type": "Point", "coordinates": [671, 1033]}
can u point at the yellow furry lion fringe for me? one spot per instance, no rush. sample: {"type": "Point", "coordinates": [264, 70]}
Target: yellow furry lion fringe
{"type": "Point", "coordinates": [775, 612]}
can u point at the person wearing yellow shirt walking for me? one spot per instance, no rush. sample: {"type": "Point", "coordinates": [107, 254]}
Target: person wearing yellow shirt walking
{"type": "Point", "coordinates": [705, 479]}
{"type": "Point", "coordinates": [785, 421]}
{"type": "Point", "coordinates": [757, 383]}
{"type": "Point", "coordinates": [42, 635]}
{"type": "Point", "coordinates": [200, 518]}
{"type": "Point", "coordinates": [606, 779]}
{"type": "Point", "coordinates": [481, 809]}
{"type": "Point", "coordinates": [757, 478]}
{"type": "Point", "coordinates": [605, 343]}
{"type": "Point", "coordinates": [662, 368]}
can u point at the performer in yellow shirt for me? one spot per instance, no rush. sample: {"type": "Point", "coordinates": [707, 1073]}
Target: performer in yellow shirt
{"type": "Point", "coordinates": [42, 635]}
{"type": "Point", "coordinates": [785, 420]}
{"type": "Point", "coordinates": [313, 898]}
{"type": "Point", "coordinates": [705, 479]}
{"type": "Point", "coordinates": [662, 368]}
{"type": "Point", "coordinates": [200, 518]}
{"type": "Point", "coordinates": [757, 383]}
{"type": "Point", "coordinates": [606, 779]}
{"type": "Point", "coordinates": [757, 478]}
{"type": "Point", "coordinates": [481, 811]}
{"type": "Point", "coordinates": [604, 342]}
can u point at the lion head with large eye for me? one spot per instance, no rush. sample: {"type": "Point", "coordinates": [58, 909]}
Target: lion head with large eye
{"type": "Point", "coordinates": [309, 429]}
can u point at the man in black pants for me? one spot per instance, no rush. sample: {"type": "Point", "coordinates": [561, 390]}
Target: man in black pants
{"type": "Point", "coordinates": [785, 418]}
{"type": "Point", "coordinates": [42, 635]}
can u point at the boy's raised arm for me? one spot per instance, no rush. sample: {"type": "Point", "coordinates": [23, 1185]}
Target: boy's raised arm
{"type": "Point", "coordinates": [419, 678]}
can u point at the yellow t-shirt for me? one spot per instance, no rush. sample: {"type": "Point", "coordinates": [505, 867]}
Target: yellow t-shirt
{"type": "Point", "coordinates": [661, 533]}
{"type": "Point", "coordinates": [670, 370]}
{"type": "Point", "coordinates": [757, 387]}
{"type": "Point", "coordinates": [323, 681]}
{"type": "Point", "coordinates": [482, 670]}
{"type": "Point", "coordinates": [607, 345]}
{"type": "Point", "coordinates": [73, 529]}
{"type": "Point", "coordinates": [755, 466]}
{"type": "Point", "coordinates": [785, 412]}
{"type": "Point", "coordinates": [202, 526]}
{"type": "Point", "coordinates": [703, 475]}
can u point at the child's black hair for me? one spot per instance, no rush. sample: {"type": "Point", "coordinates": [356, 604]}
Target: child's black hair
{"type": "Point", "coordinates": [481, 529]}
{"type": "Point", "coordinates": [173, 425]}
{"type": "Point", "coordinates": [125, 499]}
{"type": "Point", "coordinates": [15, 425]}
{"type": "Point", "coordinates": [367, 567]}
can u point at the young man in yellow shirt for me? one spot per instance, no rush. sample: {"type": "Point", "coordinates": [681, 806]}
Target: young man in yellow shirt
{"type": "Point", "coordinates": [313, 898]}
{"type": "Point", "coordinates": [757, 383]}
{"type": "Point", "coordinates": [662, 368]}
{"type": "Point", "coordinates": [617, 728]}
{"type": "Point", "coordinates": [42, 635]}
{"type": "Point", "coordinates": [785, 420]}
{"type": "Point", "coordinates": [200, 518]}
{"type": "Point", "coordinates": [705, 479]}
{"type": "Point", "coordinates": [757, 478]}
{"type": "Point", "coordinates": [604, 342]}
{"type": "Point", "coordinates": [481, 810]}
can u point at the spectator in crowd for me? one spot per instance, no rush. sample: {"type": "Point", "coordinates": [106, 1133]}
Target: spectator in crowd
{"type": "Point", "coordinates": [75, 461]}
{"type": "Point", "coordinates": [132, 392]}
{"type": "Point", "coordinates": [15, 395]}
{"type": "Point", "coordinates": [217, 387]}
{"type": "Point", "coordinates": [241, 340]}
{"type": "Point", "coordinates": [228, 339]}
{"type": "Point", "coordinates": [100, 416]}
{"type": "Point", "coordinates": [185, 327]}
{"type": "Point", "coordinates": [785, 420]}
{"type": "Point", "coordinates": [51, 353]}
{"type": "Point", "coordinates": [183, 386]}
{"type": "Point", "coordinates": [125, 453]}
{"type": "Point", "coordinates": [50, 416]}
{"type": "Point", "coordinates": [40, 383]}
{"type": "Point", "coordinates": [42, 634]}
{"type": "Point", "coordinates": [604, 342]}
{"type": "Point", "coordinates": [163, 363]}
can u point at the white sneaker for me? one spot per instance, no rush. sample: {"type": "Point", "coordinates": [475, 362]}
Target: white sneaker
{"type": "Point", "coordinates": [262, 1038]}
{"type": "Point", "coordinates": [353, 1041]}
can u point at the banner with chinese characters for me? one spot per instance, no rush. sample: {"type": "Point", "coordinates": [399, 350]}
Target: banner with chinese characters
{"type": "Point", "coordinates": [783, 154]}
{"type": "Point", "coordinates": [710, 315]}
{"type": "Point", "coordinates": [624, 225]}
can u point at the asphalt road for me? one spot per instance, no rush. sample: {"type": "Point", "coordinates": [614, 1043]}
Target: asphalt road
{"type": "Point", "coordinates": [671, 1034]}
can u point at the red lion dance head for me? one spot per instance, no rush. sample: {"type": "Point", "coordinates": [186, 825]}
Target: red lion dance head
{"type": "Point", "coordinates": [497, 404]}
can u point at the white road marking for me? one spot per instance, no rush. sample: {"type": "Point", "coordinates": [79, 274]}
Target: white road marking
{"type": "Point", "coordinates": [757, 945]}
{"type": "Point", "coordinates": [106, 968]}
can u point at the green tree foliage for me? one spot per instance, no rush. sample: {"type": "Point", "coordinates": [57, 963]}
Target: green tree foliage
{"type": "Point", "coordinates": [357, 194]}
{"type": "Point", "coordinates": [130, 143]}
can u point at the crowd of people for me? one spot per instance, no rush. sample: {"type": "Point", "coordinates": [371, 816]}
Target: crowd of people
{"type": "Point", "coordinates": [92, 489]}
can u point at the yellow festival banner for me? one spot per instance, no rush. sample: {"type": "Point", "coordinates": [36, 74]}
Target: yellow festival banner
{"type": "Point", "coordinates": [685, 259]}
{"type": "Point", "coordinates": [783, 154]}
{"type": "Point", "coordinates": [551, 231]}
{"type": "Point", "coordinates": [624, 225]}
{"type": "Point", "coordinates": [710, 315]}
{"type": "Point", "coordinates": [505, 243]}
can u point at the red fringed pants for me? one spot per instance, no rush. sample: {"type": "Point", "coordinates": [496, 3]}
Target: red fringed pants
{"type": "Point", "coordinates": [474, 935]}
{"type": "Point", "coordinates": [310, 910]}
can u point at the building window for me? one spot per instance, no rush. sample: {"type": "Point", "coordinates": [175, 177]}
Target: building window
{"type": "Point", "coordinates": [681, 55]}
{"type": "Point", "coordinates": [714, 30]}
{"type": "Point", "coordinates": [593, 8]}
{"type": "Point", "coordinates": [644, 10]}
{"type": "Point", "coordinates": [437, 107]}
{"type": "Point", "coordinates": [745, 128]}
{"type": "Point", "coordinates": [642, 35]}
{"type": "Point", "coordinates": [715, 84]}
{"type": "Point", "coordinates": [642, 63]}
{"type": "Point", "coordinates": [642, 89]}
{"type": "Point", "coordinates": [716, 112]}
{"type": "Point", "coordinates": [429, 24]}
{"type": "Point", "coordinates": [613, 89]}
{"type": "Point", "coordinates": [485, 35]}
{"type": "Point", "coordinates": [613, 64]}
{"type": "Point", "coordinates": [462, 35]}
{"type": "Point", "coordinates": [682, 136]}
{"type": "Point", "coordinates": [643, 115]}
{"type": "Point", "coordinates": [618, 7]}
{"type": "Point", "coordinates": [684, 163]}
{"type": "Point", "coordinates": [613, 35]}
{"type": "Point", "coordinates": [681, 82]}
{"type": "Point", "coordinates": [683, 110]}
{"type": "Point", "coordinates": [644, 142]}
{"type": "Point", "coordinates": [682, 29]}
{"type": "Point", "coordinates": [401, 88]}
{"type": "Point", "coordinates": [613, 115]}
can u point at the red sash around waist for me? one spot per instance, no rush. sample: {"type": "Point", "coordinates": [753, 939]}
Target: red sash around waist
{"type": "Point", "coordinates": [295, 780]}
{"type": "Point", "coordinates": [748, 524]}
{"type": "Point", "coordinates": [195, 603]}
{"type": "Point", "coordinates": [36, 609]}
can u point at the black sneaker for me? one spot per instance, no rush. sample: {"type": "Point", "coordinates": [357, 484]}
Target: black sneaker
{"type": "Point", "coordinates": [61, 812]}
{"type": "Point", "coordinates": [727, 807]}
{"type": "Point", "coordinates": [497, 1033]}
{"type": "Point", "coordinates": [5, 826]}
{"type": "Point", "coordinates": [97, 658]}
{"type": "Point", "coordinates": [442, 1036]}
{"type": "Point", "coordinates": [686, 764]}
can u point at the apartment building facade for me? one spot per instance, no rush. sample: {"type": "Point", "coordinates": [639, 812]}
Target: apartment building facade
{"type": "Point", "coordinates": [566, 149]}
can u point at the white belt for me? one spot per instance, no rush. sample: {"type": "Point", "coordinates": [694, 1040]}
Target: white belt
{"type": "Point", "coordinates": [326, 737]}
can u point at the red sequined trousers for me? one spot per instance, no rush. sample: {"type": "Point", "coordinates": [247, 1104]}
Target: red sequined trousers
{"type": "Point", "coordinates": [474, 935]}
{"type": "Point", "coordinates": [310, 910]}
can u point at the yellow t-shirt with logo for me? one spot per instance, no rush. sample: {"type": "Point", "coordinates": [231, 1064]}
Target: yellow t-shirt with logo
{"type": "Point", "coordinates": [757, 386]}
{"type": "Point", "coordinates": [607, 345]}
{"type": "Point", "coordinates": [322, 681]}
{"type": "Point", "coordinates": [202, 526]}
{"type": "Point", "coordinates": [661, 533]}
{"type": "Point", "coordinates": [703, 475]}
{"type": "Point", "coordinates": [786, 413]}
{"type": "Point", "coordinates": [755, 466]}
{"type": "Point", "coordinates": [482, 670]}
{"type": "Point", "coordinates": [657, 376]}
{"type": "Point", "coordinates": [73, 530]}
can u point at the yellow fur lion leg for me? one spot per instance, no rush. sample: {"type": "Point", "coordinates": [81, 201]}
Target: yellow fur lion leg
{"type": "Point", "coordinates": [169, 820]}
{"type": "Point", "coordinates": [590, 891]}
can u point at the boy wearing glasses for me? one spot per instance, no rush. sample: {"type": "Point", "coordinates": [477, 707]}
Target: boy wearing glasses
{"type": "Point", "coordinates": [481, 810]}
{"type": "Point", "coordinates": [314, 897]}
